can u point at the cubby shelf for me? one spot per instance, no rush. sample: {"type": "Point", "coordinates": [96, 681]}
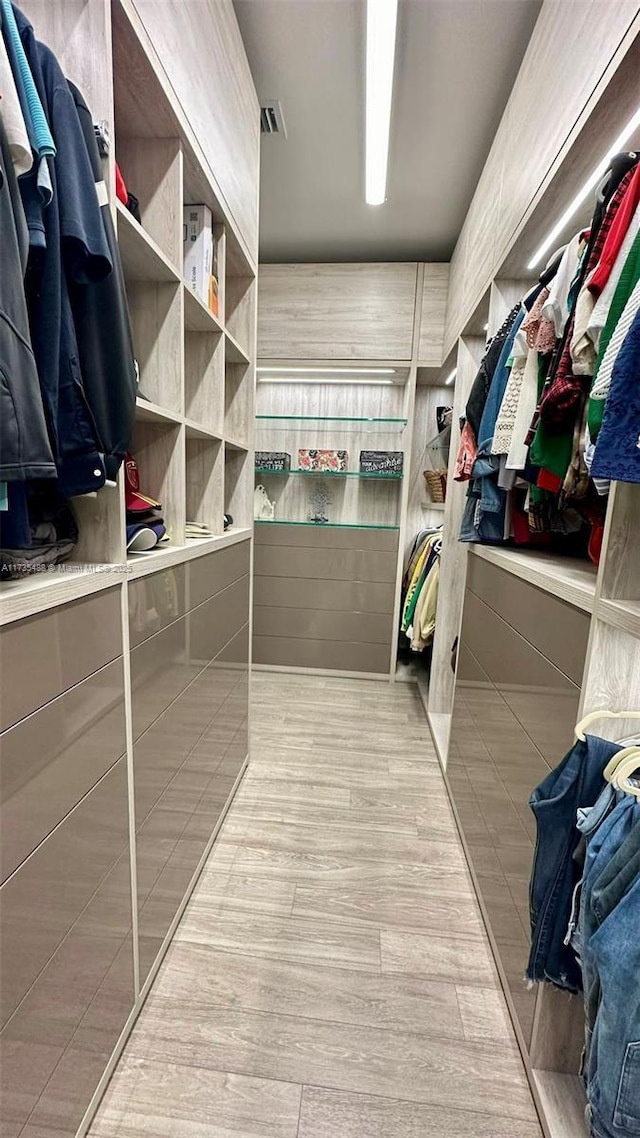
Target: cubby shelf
{"type": "Point", "coordinates": [433, 505]}
{"type": "Point", "coordinates": [330, 474]}
{"type": "Point", "coordinates": [236, 445]}
{"type": "Point", "coordinates": [568, 578]}
{"type": "Point", "coordinates": [624, 615]}
{"type": "Point", "coordinates": [234, 354]}
{"type": "Point", "coordinates": [142, 258]}
{"type": "Point", "coordinates": [197, 317]}
{"type": "Point", "coordinates": [195, 430]}
{"type": "Point", "coordinates": [147, 412]}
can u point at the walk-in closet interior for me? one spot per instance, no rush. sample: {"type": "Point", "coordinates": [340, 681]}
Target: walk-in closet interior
{"type": "Point", "coordinates": [319, 569]}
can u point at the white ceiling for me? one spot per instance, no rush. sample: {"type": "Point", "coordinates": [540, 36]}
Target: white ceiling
{"type": "Point", "coordinates": [455, 64]}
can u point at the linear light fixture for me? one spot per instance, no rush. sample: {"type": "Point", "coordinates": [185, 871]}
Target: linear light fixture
{"type": "Point", "coordinates": [450, 378]}
{"type": "Point", "coordinates": [588, 188]}
{"type": "Point", "coordinates": [382, 18]}
{"type": "Point", "coordinates": [350, 382]}
{"type": "Point", "coordinates": [326, 370]}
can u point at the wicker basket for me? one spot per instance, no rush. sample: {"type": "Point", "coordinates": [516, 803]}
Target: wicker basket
{"type": "Point", "coordinates": [436, 481]}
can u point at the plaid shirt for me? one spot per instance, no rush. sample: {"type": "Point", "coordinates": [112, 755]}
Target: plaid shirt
{"type": "Point", "coordinates": [562, 389]}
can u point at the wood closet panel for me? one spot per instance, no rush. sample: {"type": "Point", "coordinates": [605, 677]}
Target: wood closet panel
{"type": "Point", "coordinates": [434, 304]}
{"type": "Point", "coordinates": [201, 50]}
{"type": "Point", "coordinates": [576, 47]}
{"type": "Point", "coordinates": [344, 311]}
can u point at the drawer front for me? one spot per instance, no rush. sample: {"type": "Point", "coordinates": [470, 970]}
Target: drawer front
{"type": "Point", "coordinates": [312, 624]}
{"type": "Point", "coordinates": [67, 964]}
{"type": "Point", "coordinates": [209, 575]}
{"type": "Point", "coordinates": [288, 652]}
{"type": "Point", "coordinates": [49, 760]}
{"type": "Point", "coordinates": [155, 602]}
{"type": "Point", "coordinates": [184, 769]}
{"type": "Point", "coordinates": [43, 656]}
{"type": "Point", "coordinates": [336, 596]}
{"type": "Point", "coordinates": [558, 630]}
{"type": "Point", "coordinates": [326, 537]}
{"type": "Point", "coordinates": [332, 564]}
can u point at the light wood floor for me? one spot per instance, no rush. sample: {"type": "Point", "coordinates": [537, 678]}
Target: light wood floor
{"type": "Point", "coordinates": [331, 977]}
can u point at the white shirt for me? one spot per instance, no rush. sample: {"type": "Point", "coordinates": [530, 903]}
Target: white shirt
{"type": "Point", "coordinates": [12, 117]}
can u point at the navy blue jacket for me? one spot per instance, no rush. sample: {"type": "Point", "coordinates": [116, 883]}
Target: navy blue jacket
{"type": "Point", "coordinates": [68, 244]}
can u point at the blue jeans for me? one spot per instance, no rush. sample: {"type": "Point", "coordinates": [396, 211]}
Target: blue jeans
{"type": "Point", "coordinates": [613, 1076]}
{"type": "Point", "coordinates": [576, 782]}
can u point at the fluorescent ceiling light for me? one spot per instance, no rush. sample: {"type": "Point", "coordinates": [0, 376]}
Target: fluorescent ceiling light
{"type": "Point", "coordinates": [450, 378]}
{"type": "Point", "coordinates": [588, 188]}
{"type": "Point", "coordinates": [344, 382]}
{"type": "Point", "coordinates": [381, 49]}
{"type": "Point", "coordinates": [327, 370]}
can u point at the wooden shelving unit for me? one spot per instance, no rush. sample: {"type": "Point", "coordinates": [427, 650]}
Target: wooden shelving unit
{"type": "Point", "coordinates": [128, 636]}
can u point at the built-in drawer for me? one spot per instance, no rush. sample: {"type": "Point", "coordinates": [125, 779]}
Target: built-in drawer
{"type": "Point", "coordinates": [327, 537]}
{"type": "Point", "coordinates": [289, 652]}
{"type": "Point", "coordinates": [558, 630]}
{"type": "Point", "coordinates": [157, 600]}
{"type": "Point", "coordinates": [49, 760]}
{"type": "Point", "coordinates": [209, 575]}
{"type": "Point", "coordinates": [320, 624]}
{"type": "Point", "coordinates": [333, 564]}
{"type": "Point", "coordinates": [165, 664]}
{"type": "Point", "coordinates": [43, 656]}
{"type": "Point", "coordinates": [67, 964]}
{"type": "Point", "coordinates": [336, 596]}
{"type": "Point", "coordinates": [184, 769]}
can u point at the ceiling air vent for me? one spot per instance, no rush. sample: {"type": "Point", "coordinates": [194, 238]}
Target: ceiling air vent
{"type": "Point", "coordinates": [271, 118]}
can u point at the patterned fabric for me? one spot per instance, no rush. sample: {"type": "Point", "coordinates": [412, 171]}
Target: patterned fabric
{"type": "Point", "coordinates": [602, 383]}
{"type": "Point", "coordinates": [563, 388]}
{"type": "Point", "coordinates": [505, 423]}
{"type": "Point", "coordinates": [617, 453]}
{"type": "Point", "coordinates": [540, 331]}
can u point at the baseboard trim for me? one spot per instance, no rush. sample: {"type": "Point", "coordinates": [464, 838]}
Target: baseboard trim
{"type": "Point", "coordinates": [323, 672]}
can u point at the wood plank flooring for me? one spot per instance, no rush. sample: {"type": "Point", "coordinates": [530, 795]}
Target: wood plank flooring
{"type": "Point", "coordinates": [331, 977]}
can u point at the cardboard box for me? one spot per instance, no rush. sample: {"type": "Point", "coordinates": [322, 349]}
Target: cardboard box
{"type": "Point", "coordinates": [198, 249]}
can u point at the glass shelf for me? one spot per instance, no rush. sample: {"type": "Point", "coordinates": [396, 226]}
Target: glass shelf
{"type": "Point", "coordinates": [330, 419]}
{"type": "Point", "coordinates": [321, 525]}
{"type": "Point", "coordinates": [391, 477]}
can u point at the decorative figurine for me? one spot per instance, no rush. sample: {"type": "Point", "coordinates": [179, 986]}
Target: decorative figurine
{"type": "Point", "coordinates": [264, 510]}
{"type": "Point", "coordinates": [320, 498]}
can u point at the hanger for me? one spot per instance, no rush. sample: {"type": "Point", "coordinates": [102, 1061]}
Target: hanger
{"type": "Point", "coordinates": [580, 727]}
{"type": "Point", "coordinates": [616, 761]}
{"type": "Point", "coordinates": [625, 770]}
{"type": "Point", "coordinates": [619, 769]}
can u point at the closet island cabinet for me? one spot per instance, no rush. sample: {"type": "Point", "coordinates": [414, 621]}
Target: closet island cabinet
{"type": "Point", "coordinates": [124, 709]}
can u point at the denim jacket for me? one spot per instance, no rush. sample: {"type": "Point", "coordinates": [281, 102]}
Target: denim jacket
{"type": "Point", "coordinates": [576, 782]}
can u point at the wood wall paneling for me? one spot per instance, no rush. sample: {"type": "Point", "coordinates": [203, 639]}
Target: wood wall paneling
{"type": "Point", "coordinates": [420, 510]}
{"type": "Point", "coordinates": [508, 188]}
{"type": "Point", "coordinates": [434, 303]}
{"type": "Point", "coordinates": [349, 311]}
{"type": "Point", "coordinates": [212, 82]}
{"type": "Point", "coordinates": [454, 554]}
